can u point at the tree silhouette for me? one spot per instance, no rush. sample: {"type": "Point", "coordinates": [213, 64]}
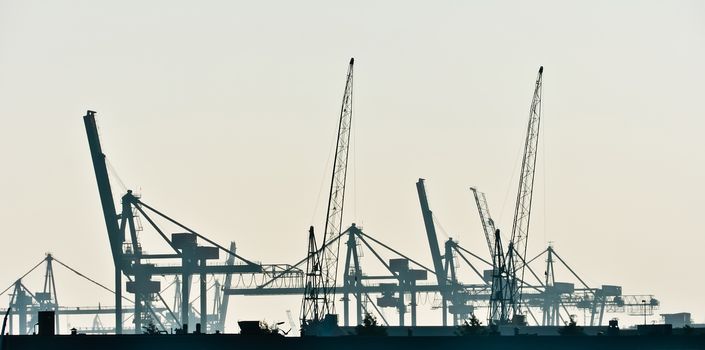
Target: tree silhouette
{"type": "Point", "coordinates": [474, 327]}
{"type": "Point", "coordinates": [369, 327]}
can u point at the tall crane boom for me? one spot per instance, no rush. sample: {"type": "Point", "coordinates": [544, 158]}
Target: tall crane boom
{"type": "Point", "coordinates": [440, 272]}
{"type": "Point", "coordinates": [336, 196]}
{"type": "Point", "coordinates": [110, 215]}
{"type": "Point", "coordinates": [522, 211]}
{"type": "Point", "coordinates": [323, 293]}
{"type": "Point", "coordinates": [116, 237]}
{"type": "Point", "coordinates": [431, 233]}
{"type": "Point", "coordinates": [487, 222]}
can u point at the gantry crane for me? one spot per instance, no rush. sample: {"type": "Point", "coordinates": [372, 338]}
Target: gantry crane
{"type": "Point", "coordinates": [516, 252]}
{"type": "Point", "coordinates": [322, 270]}
{"type": "Point", "coordinates": [139, 267]}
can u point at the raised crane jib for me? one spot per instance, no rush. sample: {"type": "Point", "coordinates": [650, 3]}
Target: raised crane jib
{"type": "Point", "coordinates": [329, 250]}
{"type": "Point", "coordinates": [522, 211]}
{"type": "Point", "coordinates": [485, 217]}
{"type": "Point", "coordinates": [115, 237]}
{"type": "Point", "coordinates": [441, 276]}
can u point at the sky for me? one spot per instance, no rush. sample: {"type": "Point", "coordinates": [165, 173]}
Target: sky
{"type": "Point", "coordinates": [223, 115]}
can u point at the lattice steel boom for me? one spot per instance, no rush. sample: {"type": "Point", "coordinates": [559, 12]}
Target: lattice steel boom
{"type": "Point", "coordinates": [522, 212]}
{"type": "Point", "coordinates": [322, 293]}
{"type": "Point", "coordinates": [485, 217]}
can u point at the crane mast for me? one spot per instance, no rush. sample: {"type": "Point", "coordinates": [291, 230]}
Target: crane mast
{"type": "Point", "coordinates": [500, 297]}
{"type": "Point", "coordinates": [313, 299]}
{"type": "Point", "coordinates": [516, 251]}
{"type": "Point", "coordinates": [322, 271]}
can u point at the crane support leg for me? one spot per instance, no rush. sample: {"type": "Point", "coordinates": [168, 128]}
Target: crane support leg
{"type": "Point", "coordinates": [185, 284]}
{"type": "Point", "coordinates": [204, 300]}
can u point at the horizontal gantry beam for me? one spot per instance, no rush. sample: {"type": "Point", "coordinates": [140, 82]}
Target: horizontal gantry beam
{"type": "Point", "coordinates": [87, 310]}
{"type": "Point", "coordinates": [364, 289]}
{"type": "Point", "coordinates": [210, 269]}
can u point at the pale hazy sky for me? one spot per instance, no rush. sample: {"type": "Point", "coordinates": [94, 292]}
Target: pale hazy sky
{"type": "Point", "coordinates": [223, 115]}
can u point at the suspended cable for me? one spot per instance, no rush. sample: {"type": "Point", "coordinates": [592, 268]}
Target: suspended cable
{"type": "Point", "coordinates": [545, 175]}
{"type": "Point", "coordinates": [23, 276]}
{"type": "Point", "coordinates": [199, 296]}
{"type": "Point", "coordinates": [115, 174]}
{"type": "Point", "coordinates": [354, 167]}
{"type": "Point", "coordinates": [89, 279]}
{"type": "Point", "coordinates": [440, 225]}
{"type": "Point", "coordinates": [510, 184]}
{"type": "Point", "coordinates": [189, 230]}
{"type": "Point", "coordinates": [393, 251]}
{"type": "Point", "coordinates": [324, 176]}
{"type": "Point", "coordinates": [167, 287]}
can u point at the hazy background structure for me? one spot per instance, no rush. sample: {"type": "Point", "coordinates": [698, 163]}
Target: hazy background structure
{"type": "Point", "coordinates": [225, 114]}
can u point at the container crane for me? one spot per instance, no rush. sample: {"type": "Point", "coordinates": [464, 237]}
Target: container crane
{"type": "Point", "coordinates": [322, 270]}
{"type": "Point", "coordinates": [516, 252]}
{"type": "Point", "coordinates": [139, 267]}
